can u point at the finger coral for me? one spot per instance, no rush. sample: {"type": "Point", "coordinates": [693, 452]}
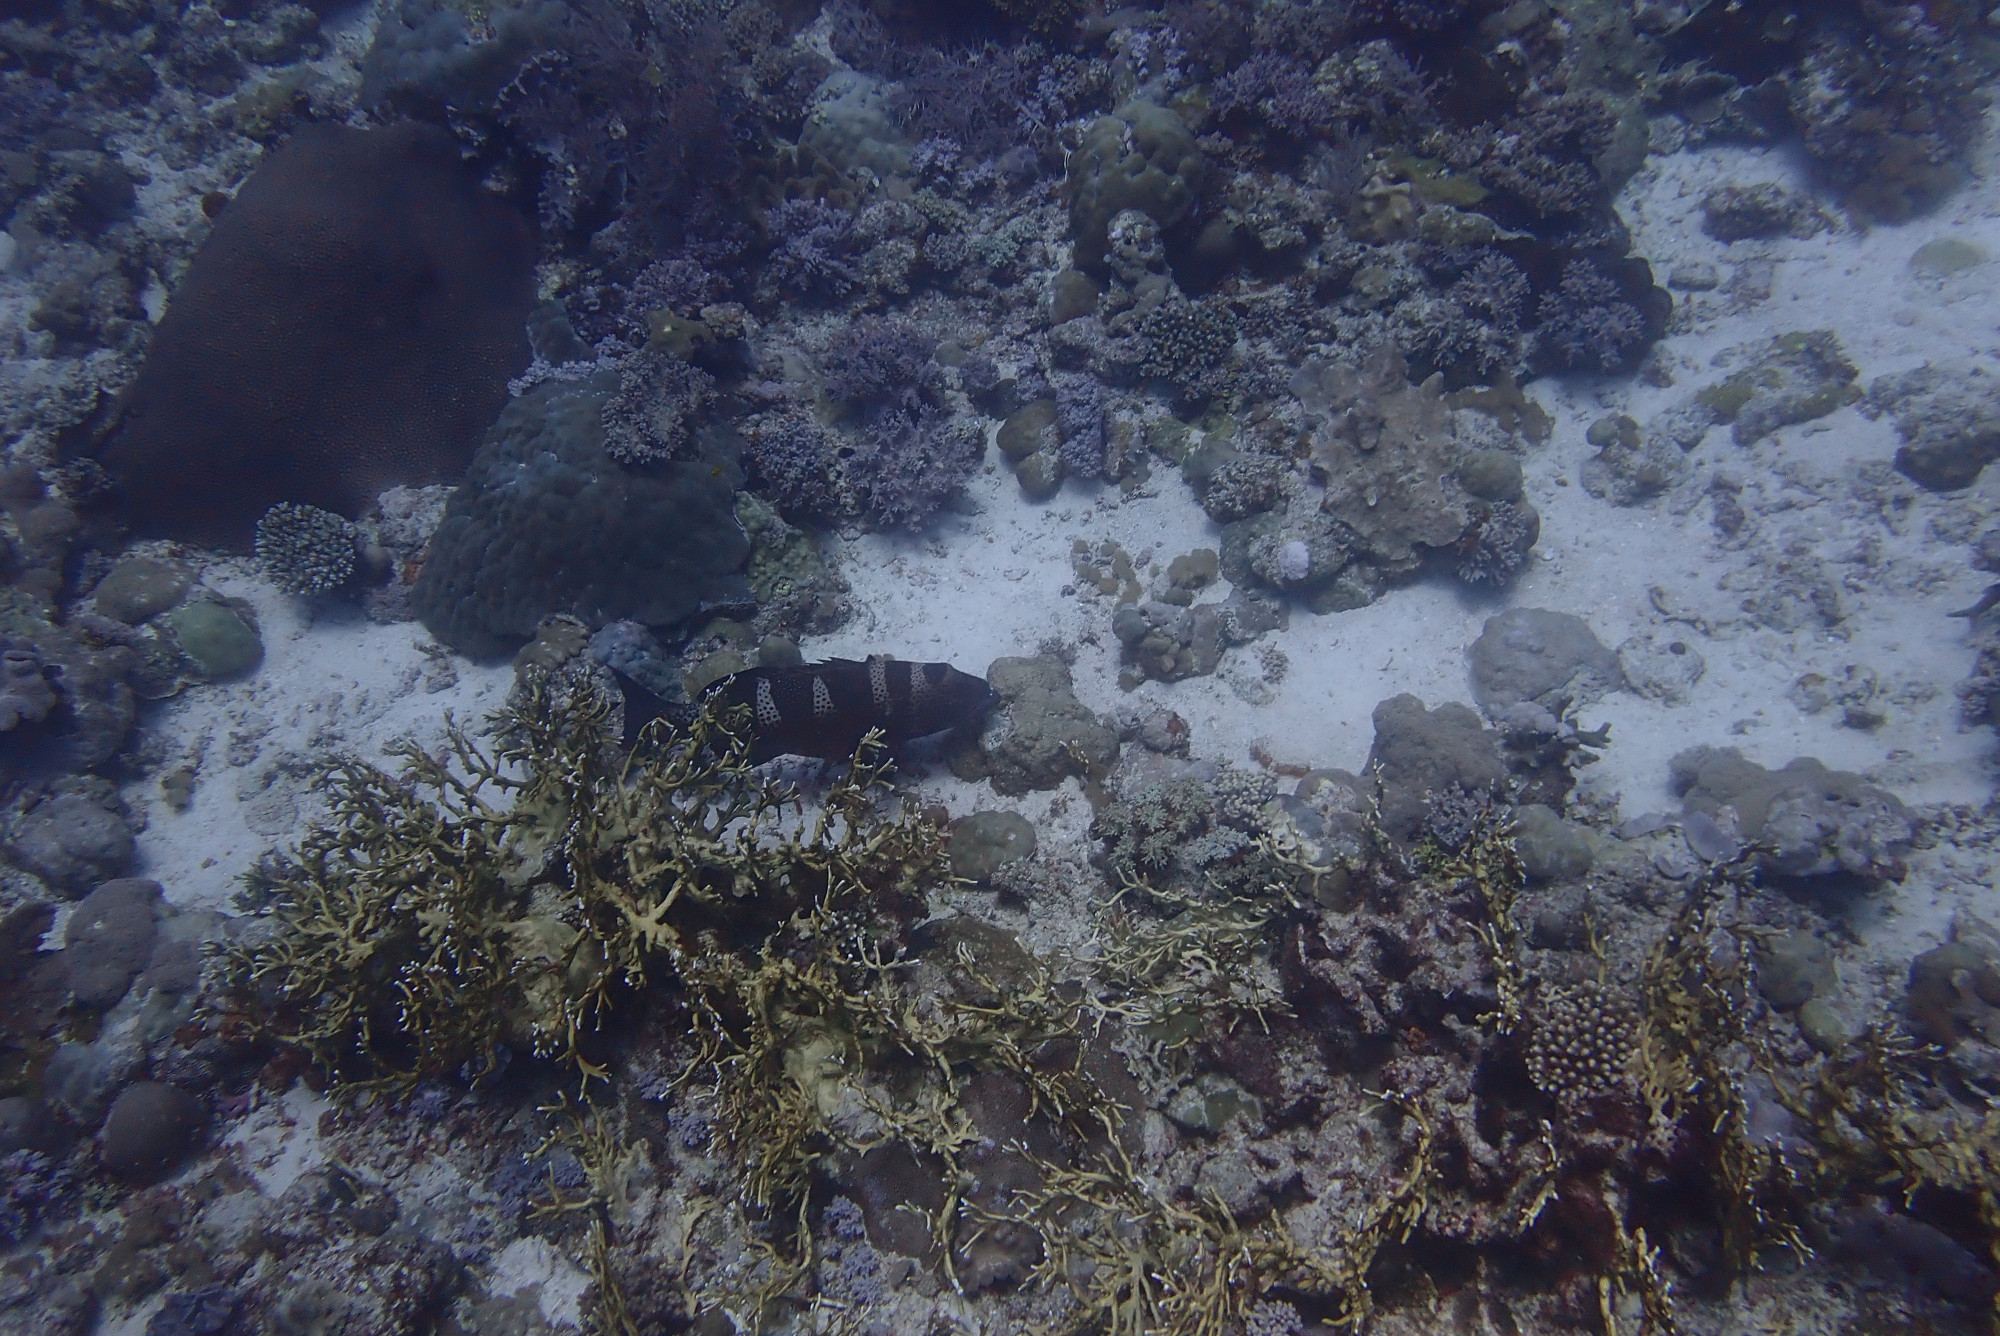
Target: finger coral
{"type": "Point", "coordinates": [304, 549]}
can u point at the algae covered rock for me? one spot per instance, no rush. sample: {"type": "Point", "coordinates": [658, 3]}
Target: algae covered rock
{"type": "Point", "coordinates": [1422, 755]}
{"type": "Point", "coordinates": [1047, 735]}
{"type": "Point", "coordinates": [1533, 654]}
{"type": "Point", "coordinates": [1388, 454]}
{"type": "Point", "coordinates": [1793, 968]}
{"type": "Point", "coordinates": [1949, 419]}
{"type": "Point", "coordinates": [1661, 668]}
{"type": "Point", "coordinates": [1551, 849]}
{"type": "Point", "coordinates": [1030, 428]}
{"type": "Point", "coordinates": [980, 843]}
{"type": "Point", "coordinates": [1401, 488]}
{"type": "Point", "coordinates": [141, 587]}
{"type": "Point", "coordinates": [217, 639]}
{"type": "Point", "coordinates": [109, 939]}
{"type": "Point", "coordinates": [150, 1127]}
{"type": "Point", "coordinates": [1143, 157]}
{"type": "Point", "coordinates": [1954, 989]}
{"type": "Point", "coordinates": [1812, 821]}
{"type": "Point", "coordinates": [1822, 1027]}
{"type": "Point", "coordinates": [1491, 475]}
{"type": "Point", "coordinates": [75, 837]}
{"type": "Point", "coordinates": [1793, 378]}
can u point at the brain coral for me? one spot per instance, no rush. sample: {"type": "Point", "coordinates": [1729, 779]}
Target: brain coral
{"type": "Point", "coordinates": [350, 324]}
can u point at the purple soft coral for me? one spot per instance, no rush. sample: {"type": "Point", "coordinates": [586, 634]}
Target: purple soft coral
{"type": "Point", "coordinates": [1080, 403]}
{"type": "Point", "coordinates": [909, 463]}
{"type": "Point", "coordinates": [1278, 90]}
{"type": "Point", "coordinates": [1587, 325]}
{"type": "Point", "coordinates": [790, 457]}
{"type": "Point", "coordinates": [812, 248]}
{"type": "Point", "coordinates": [878, 360]}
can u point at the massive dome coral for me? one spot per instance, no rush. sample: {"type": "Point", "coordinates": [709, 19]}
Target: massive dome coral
{"type": "Point", "coordinates": [349, 325]}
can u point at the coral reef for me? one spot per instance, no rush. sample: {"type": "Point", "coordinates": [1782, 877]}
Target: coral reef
{"type": "Point", "coordinates": [665, 1040]}
{"type": "Point", "coordinates": [657, 407]}
{"type": "Point", "coordinates": [1583, 1041]}
{"type": "Point", "coordinates": [907, 465]}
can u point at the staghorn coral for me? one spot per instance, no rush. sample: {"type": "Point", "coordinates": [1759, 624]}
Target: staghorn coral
{"type": "Point", "coordinates": [954, 1090]}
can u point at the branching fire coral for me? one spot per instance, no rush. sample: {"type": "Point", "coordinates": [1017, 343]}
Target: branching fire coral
{"type": "Point", "coordinates": [428, 922]}
{"type": "Point", "coordinates": [507, 895]}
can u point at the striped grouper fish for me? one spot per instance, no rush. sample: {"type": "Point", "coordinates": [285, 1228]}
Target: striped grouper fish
{"type": "Point", "coordinates": [825, 709]}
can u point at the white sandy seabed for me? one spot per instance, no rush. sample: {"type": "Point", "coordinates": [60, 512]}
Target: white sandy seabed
{"type": "Point", "coordinates": [991, 583]}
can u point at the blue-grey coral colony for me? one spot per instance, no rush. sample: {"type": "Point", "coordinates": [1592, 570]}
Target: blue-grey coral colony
{"type": "Point", "coordinates": [572, 329]}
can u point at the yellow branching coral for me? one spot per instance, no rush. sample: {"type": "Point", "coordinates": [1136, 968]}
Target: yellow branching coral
{"type": "Point", "coordinates": [476, 899]}
{"type": "Point", "coordinates": [1140, 1263]}
{"type": "Point", "coordinates": [1691, 1055]}
{"type": "Point", "coordinates": [1490, 863]}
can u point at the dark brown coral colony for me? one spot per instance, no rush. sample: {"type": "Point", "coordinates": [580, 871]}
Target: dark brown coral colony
{"type": "Point", "coordinates": [350, 324]}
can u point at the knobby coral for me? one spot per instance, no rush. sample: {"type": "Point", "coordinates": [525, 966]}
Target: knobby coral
{"type": "Point", "coordinates": [306, 550]}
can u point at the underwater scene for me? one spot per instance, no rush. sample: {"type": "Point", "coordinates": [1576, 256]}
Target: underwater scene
{"type": "Point", "coordinates": [877, 668]}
